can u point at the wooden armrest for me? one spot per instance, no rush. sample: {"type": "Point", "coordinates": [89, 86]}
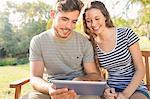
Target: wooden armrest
{"type": "Point", "coordinates": [17, 85]}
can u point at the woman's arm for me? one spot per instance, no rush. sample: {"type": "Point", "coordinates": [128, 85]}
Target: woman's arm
{"type": "Point", "coordinates": [139, 70]}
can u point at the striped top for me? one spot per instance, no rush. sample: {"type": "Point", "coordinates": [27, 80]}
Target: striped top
{"type": "Point", "coordinates": [118, 62]}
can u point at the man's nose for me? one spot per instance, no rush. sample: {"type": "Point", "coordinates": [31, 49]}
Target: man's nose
{"type": "Point", "coordinates": [69, 25]}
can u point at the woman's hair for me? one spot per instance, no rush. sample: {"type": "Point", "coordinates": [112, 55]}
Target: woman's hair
{"type": "Point", "coordinates": [100, 6]}
{"type": "Point", "coordinates": [69, 5]}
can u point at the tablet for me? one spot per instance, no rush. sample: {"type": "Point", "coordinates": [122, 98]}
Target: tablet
{"type": "Point", "coordinates": [82, 87]}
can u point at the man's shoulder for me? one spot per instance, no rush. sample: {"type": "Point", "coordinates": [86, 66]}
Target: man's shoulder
{"type": "Point", "coordinates": [42, 35]}
{"type": "Point", "coordinates": [80, 35]}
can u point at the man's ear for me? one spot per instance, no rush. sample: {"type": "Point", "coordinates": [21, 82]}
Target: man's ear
{"type": "Point", "coordinates": [52, 13]}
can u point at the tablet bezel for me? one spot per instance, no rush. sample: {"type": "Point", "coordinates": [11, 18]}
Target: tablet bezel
{"type": "Point", "coordinates": [82, 87]}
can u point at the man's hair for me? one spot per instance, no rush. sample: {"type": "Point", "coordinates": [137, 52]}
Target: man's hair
{"type": "Point", "coordinates": [69, 5]}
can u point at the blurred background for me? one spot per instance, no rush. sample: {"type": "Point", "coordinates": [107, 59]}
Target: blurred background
{"type": "Point", "coordinates": [20, 20]}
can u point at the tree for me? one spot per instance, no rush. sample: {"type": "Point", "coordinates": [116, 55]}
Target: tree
{"type": "Point", "coordinates": [144, 17]}
{"type": "Point", "coordinates": [15, 38]}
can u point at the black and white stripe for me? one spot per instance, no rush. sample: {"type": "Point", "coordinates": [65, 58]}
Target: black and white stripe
{"type": "Point", "coordinates": [119, 61]}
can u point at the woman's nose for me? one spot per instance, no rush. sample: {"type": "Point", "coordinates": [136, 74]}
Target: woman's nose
{"type": "Point", "coordinates": [93, 24]}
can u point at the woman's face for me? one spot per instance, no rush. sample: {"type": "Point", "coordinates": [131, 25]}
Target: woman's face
{"type": "Point", "coordinates": [95, 21]}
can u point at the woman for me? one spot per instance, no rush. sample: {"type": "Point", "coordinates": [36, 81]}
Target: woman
{"type": "Point", "coordinates": [118, 51]}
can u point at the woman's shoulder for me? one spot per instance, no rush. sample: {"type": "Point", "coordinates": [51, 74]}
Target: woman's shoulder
{"type": "Point", "coordinates": [124, 30]}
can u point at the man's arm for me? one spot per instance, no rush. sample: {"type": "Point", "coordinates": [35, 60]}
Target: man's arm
{"type": "Point", "coordinates": [36, 77]}
{"type": "Point", "coordinates": [39, 84]}
{"type": "Point", "coordinates": [92, 73]}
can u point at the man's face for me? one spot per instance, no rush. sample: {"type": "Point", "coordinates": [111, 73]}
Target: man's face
{"type": "Point", "coordinates": [64, 23]}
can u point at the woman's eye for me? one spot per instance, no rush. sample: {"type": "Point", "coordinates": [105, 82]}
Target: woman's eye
{"type": "Point", "coordinates": [74, 22]}
{"type": "Point", "coordinates": [97, 18]}
{"type": "Point", "coordinates": [87, 21]}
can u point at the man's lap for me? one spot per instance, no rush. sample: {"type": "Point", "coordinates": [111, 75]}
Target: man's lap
{"type": "Point", "coordinates": [37, 95]}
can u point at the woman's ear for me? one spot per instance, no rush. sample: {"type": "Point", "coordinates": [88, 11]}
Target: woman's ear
{"type": "Point", "coordinates": [52, 13]}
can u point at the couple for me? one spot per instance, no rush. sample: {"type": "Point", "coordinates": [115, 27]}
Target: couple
{"type": "Point", "coordinates": [68, 55]}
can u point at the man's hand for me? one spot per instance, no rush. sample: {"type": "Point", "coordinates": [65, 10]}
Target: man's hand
{"type": "Point", "coordinates": [63, 93]}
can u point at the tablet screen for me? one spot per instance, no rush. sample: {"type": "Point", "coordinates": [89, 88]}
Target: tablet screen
{"type": "Point", "coordinates": [82, 87]}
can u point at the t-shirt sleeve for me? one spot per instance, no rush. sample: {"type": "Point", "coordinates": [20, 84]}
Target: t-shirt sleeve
{"type": "Point", "coordinates": [132, 37]}
{"type": "Point", "coordinates": [35, 49]}
{"type": "Point", "coordinates": [88, 52]}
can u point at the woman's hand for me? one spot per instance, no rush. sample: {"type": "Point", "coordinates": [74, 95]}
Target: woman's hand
{"type": "Point", "coordinates": [110, 93]}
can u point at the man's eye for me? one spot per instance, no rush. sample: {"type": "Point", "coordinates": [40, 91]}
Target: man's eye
{"type": "Point", "coordinates": [74, 22]}
{"type": "Point", "coordinates": [64, 19]}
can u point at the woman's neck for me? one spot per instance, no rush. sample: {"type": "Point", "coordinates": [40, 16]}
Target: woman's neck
{"type": "Point", "coordinates": [106, 35]}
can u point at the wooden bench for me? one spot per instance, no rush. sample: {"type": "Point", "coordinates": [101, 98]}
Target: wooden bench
{"type": "Point", "coordinates": [146, 56]}
{"type": "Point", "coordinates": [18, 84]}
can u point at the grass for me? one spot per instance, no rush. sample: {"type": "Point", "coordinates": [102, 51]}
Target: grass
{"type": "Point", "coordinates": [9, 74]}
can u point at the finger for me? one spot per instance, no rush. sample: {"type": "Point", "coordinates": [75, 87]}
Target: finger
{"type": "Point", "coordinates": [53, 86]}
{"type": "Point", "coordinates": [112, 90]}
{"type": "Point", "coordinates": [110, 93]}
{"type": "Point", "coordinates": [63, 96]}
{"type": "Point", "coordinates": [107, 90]}
{"type": "Point", "coordinates": [118, 98]}
{"type": "Point", "coordinates": [59, 91]}
{"type": "Point", "coordinates": [106, 94]}
{"type": "Point", "coordinates": [72, 94]}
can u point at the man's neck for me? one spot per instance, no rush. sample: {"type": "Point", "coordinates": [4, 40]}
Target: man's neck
{"type": "Point", "coordinates": [58, 37]}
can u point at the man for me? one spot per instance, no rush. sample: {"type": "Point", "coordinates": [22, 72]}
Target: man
{"type": "Point", "coordinates": [64, 53]}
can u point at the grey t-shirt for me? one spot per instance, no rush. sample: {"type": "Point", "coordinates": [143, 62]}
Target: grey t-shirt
{"type": "Point", "coordinates": [63, 59]}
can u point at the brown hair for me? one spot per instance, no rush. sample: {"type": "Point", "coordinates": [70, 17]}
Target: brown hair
{"type": "Point", "coordinates": [97, 5]}
{"type": "Point", "coordinates": [69, 5]}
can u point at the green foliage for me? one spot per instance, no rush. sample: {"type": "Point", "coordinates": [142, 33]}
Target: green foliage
{"type": "Point", "coordinates": [49, 24]}
{"type": "Point", "coordinates": [120, 22]}
{"type": "Point", "coordinates": [143, 20]}
{"type": "Point", "coordinates": [5, 30]}
{"type": "Point", "coordinates": [22, 61]}
{"type": "Point", "coordinates": [8, 61]}
{"type": "Point", "coordinates": [145, 2]}
{"type": "Point", "coordinates": [145, 15]}
{"type": "Point", "coordinates": [79, 27]}
{"type": "Point", "coordinates": [33, 20]}
{"type": "Point", "coordinates": [13, 61]}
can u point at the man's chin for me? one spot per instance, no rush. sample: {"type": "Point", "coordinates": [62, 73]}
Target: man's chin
{"type": "Point", "coordinates": [63, 36]}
